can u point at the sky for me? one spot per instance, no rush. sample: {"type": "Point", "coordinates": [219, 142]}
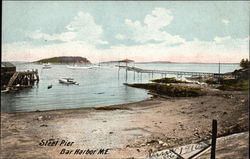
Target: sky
{"type": "Point", "coordinates": [197, 31]}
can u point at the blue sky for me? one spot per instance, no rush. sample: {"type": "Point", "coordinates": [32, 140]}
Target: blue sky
{"type": "Point", "coordinates": [205, 31]}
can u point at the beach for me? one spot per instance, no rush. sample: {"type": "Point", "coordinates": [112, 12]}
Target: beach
{"type": "Point", "coordinates": [127, 130]}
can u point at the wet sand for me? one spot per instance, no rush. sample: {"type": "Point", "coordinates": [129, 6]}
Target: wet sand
{"type": "Point", "coordinates": [127, 130]}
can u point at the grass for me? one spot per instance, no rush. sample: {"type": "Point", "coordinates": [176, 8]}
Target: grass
{"type": "Point", "coordinates": [212, 81]}
{"type": "Point", "coordinates": [230, 84]}
{"type": "Point", "coordinates": [168, 80]}
{"type": "Point", "coordinates": [170, 90]}
{"type": "Point", "coordinates": [234, 84]}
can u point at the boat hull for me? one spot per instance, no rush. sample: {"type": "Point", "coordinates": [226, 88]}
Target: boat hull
{"type": "Point", "coordinates": [65, 81]}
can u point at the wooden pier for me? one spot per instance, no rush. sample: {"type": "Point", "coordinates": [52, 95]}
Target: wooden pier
{"type": "Point", "coordinates": [11, 79]}
{"type": "Point", "coordinates": [19, 80]}
{"type": "Point", "coordinates": [24, 78]}
{"type": "Point", "coordinates": [178, 73]}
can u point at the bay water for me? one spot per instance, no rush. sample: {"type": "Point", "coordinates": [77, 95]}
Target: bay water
{"type": "Point", "coordinates": [98, 86]}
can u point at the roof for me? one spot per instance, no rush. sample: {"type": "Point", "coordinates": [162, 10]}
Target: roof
{"type": "Point", "coordinates": [7, 64]}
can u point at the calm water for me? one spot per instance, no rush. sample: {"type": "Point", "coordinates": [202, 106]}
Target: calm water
{"type": "Point", "coordinates": [97, 87]}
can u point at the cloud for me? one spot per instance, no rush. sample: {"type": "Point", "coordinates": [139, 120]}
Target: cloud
{"type": "Point", "coordinates": [86, 28]}
{"type": "Point", "coordinates": [225, 21]}
{"type": "Point", "coordinates": [231, 50]}
{"type": "Point", "coordinates": [152, 28]}
{"type": "Point", "coordinates": [25, 51]}
{"type": "Point", "coordinates": [81, 28]}
{"type": "Point", "coordinates": [160, 17]}
{"type": "Point", "coordinates": [67, 36]}
{"type": "Point", "coordinates": [222, 39]}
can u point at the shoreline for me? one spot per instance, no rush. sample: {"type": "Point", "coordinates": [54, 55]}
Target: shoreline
{"type": "Point", "coordinates": [128, 130]}
{"type": "Point", "coordinates": [84, 108]}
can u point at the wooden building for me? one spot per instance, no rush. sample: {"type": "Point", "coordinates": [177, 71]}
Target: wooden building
{"type": "Point", "coordinates": [7, 71]}
{"type": "Point", "coordinates": [7, 67]}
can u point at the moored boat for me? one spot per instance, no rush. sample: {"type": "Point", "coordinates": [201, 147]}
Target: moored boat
{"type": "Point", "coordinates": [46, 66]}
{"type": "Point", "coordinates": [67, 81]}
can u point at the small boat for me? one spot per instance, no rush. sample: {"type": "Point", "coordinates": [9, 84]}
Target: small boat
{"type": "Point", "coordinates": [49, 86]}
{"type": "Point", "coordinates": [46, 66]}
{"type": "Point", "coordinates": [67, 81]}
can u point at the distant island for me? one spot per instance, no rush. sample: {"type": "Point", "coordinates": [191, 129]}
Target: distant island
{"type": "Point", "coordinates": [124, 60]}
{"type": "Point", "coordinates": [155, 62]}
{"type": "Point", "coordinates": [65, 60]}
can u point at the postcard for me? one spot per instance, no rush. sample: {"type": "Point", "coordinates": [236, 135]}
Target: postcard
{"type": "Point", "coordinates": [125, 79]}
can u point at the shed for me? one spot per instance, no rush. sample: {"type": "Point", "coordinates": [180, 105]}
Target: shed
{"type": "Point", "coordinates": [7, 67]}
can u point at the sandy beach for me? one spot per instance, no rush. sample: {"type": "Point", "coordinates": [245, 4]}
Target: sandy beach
{"type": "Point", "coordinates": [127, 130]}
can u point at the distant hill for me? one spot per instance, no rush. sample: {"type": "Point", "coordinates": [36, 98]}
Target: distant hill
{"type": "Point", "coordinates": [65, 59]}
{"type": "Point", "coordinates": [155, 62]}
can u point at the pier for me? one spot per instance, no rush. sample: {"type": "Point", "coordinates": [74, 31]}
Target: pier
{"type": "Point", "coordinates": [25, 78]}
{"type": "Point", "coordinates": [177, 73]}
{"type": "Point", "coordinates": [14, 80]}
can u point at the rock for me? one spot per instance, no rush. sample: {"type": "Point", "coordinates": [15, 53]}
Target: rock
{"type": "Point", "coordinates": [150, 151]}
{"type": "Point", "coordinates": [197, 134]}
{"type": "Point", "coordinates": [37, 110]}
{"type": "Point", "coordinates": [143, 144]}
{"type": "Point", "coordinates": [164, 144]}
{"type": "Point", "coordinates": [160, 142]}
{"type": "Point", "coordinates": [242, 100]}
{"type": "Point", "coordinates": [40, 118]}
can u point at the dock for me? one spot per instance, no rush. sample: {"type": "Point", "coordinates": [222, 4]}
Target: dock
{"type": "Point", "coordinates": [25, 78]}
{"type": "Point", "coordinates": [11, 79]}
{"type": "Point", "coordinates": [177, 73]}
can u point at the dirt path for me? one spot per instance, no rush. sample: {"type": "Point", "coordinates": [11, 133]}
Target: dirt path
{"type": "Point", "coordinates": [128, 130]}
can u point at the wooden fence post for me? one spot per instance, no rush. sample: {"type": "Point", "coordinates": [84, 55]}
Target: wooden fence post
{"type": "Point", "coordinates": [214, 135]}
